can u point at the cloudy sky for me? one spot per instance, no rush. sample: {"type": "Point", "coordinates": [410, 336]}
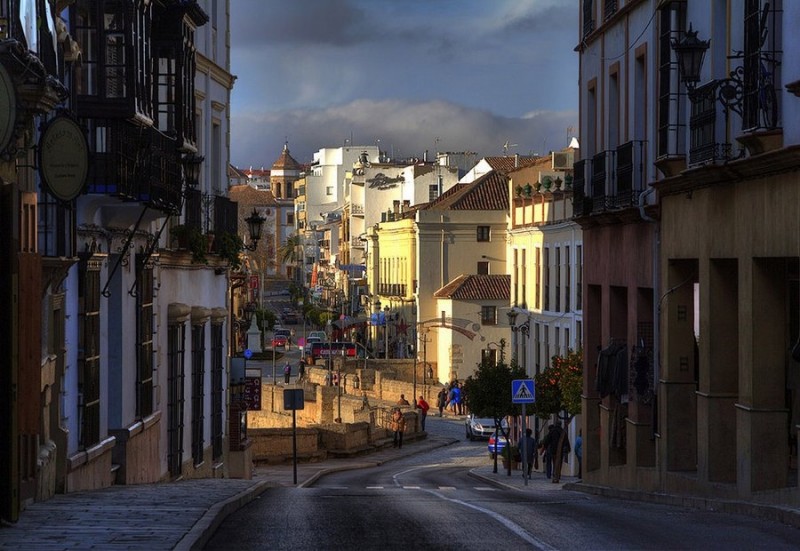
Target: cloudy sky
{"type": "Point", "coordinates": [409, 75]}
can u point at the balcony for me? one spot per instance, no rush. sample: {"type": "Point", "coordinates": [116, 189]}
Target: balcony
{"type": "Point", "coordinates": [134, 163]}
{"type": "Point", "coordinates": [611, 181]}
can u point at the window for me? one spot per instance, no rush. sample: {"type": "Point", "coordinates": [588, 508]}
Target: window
{"type": "Point", "coordinates": [89, 354]}
{"type": "Point", "coordinates": [144, 339]}
{"type": "Point", "coordinates": [329, 190]}
{"type": "Point", "coordinates": [433, 192]}
{"type": "Point", "coordinates": [176, 336]}
{"type": "Point", "coordinates": [483, 233]}
{"type": "Point", "coordinates": [198, 391]}
{"type": "Point", "coordinates": [217, 389]}
{"type": "Point", "coordinates": [290, 219]}
{"type": "Point", "coordinates": [489, 355]}
{"type": "Point", "coordinates": [558, 279]}
{"type": "Point", "coordinates": [579, 277]}
{"type": "Point", "coordinates": [483, 267]}
{"type": "Point", "coordinates": [567, 280]}
{"type": "Point", "coordinates": [546, 274]}
{"type": "Point", "coordinates": [524, 277]}
{"type": "Point", "coordinates": [537, 266]}
{"type": "Point", "coordinates": [488, 315]}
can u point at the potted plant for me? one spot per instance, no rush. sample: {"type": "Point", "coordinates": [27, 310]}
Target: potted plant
{"type": "Point", "coordinates": [229, 247]}
{"type": "Point", "coordinates": [511, 453]}
{"type": "Point", "coordinates": [190, 238]}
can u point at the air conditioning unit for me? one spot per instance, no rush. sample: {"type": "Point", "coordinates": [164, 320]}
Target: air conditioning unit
{"type": "Point", "coordinates": [563, 160]}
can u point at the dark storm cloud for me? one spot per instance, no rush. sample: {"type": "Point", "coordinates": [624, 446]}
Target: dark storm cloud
{"type": "Point", "coordinates": [472, 73]}
{"type": "Point", "coordinates": [405, 129]}
{"type": "Point", "coordinates": [321, 22]}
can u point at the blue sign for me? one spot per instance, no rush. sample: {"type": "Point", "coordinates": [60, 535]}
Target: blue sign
{"type": "Point", "coordinates": [248, 354]}
{"type": "Point", "coordinates": [523, 391]}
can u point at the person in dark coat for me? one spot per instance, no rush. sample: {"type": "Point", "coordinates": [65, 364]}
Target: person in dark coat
{"type": "Point", "coordinates": [441, 401]}
{"type": "Point", "coordinates": [530, 450]}
{"type": "Point", "coordinates": [557, 444]}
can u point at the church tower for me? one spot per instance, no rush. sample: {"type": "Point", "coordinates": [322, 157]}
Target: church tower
{"type": "Point", "coordinates": [285, 172]}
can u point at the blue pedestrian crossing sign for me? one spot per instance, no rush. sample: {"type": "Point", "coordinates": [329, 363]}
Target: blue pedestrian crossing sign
{"type": "Point", "coordinates": [523, 391]}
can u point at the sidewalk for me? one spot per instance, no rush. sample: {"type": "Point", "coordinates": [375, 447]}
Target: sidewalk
{"type": "Point", "coordinates": [538, 482]}
{"type": "Point", "coordinates": [173, 515]}
{"type": "Point", "coordinates": [184, 515]}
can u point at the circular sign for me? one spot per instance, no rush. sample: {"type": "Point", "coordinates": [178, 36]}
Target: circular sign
{"type": "Point", "coordinates": [64, 158]}
{"type": "Point", "coordinates": [8, 109]}
{"type": "Point", "coordinates": [248, 354]}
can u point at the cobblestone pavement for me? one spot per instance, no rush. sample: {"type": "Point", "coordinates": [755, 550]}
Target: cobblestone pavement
{"type": "Point", "coordinates": [184, 515]}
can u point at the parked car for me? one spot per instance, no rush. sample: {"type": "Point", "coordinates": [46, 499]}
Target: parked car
{"type": "Point", "coordinates": [281, 337]}
{"type": "Point", "coordinates": [480, 427]}
{"type": "Point", "coordinates": [496, 444]}
{"type": "Point", "coordinates": [279, 341]}
{"type": "Point", "coordinates": [319, 335]}
{"type": "Point", "coordinates": [310, 341]}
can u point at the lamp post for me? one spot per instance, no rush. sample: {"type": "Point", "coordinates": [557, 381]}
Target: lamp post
{"type": "Point", "coordinates": [414, 384]}
{"type": "Point", "coordinates": [512, 321]}
{"type": "Point", "coordinates": [376, 316]}
{"type": "Point", "coordinates": [386, 332]}
{"type": "Point", "coordinates": [255, 223]}
{"type": "Point", "coordinates": [328, 330]}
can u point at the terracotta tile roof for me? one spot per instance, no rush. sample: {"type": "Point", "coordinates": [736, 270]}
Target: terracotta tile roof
{"type": "Point", "coordinates": [489, 192]}
{"type": "Point", "coordinates": [247, 194]}
{"type": "Point", "coordinates": [234, 172]}
{"type": "Point", "coordinates": [286, 161]}
{"type": "Point", "coordinates": [508, 163]}
{"type": "Point", "coordinates": [477, 287]}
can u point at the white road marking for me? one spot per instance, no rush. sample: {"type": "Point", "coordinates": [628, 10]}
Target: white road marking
{"type": "Point", "coordinates": [374, 487]}
{"type": "Point", "coordinates": [513, 527]}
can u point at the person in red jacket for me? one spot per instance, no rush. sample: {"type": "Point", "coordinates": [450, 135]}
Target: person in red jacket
{"type": "Point", "coordinates": [423, 408]}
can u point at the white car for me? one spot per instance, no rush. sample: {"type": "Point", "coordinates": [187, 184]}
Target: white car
{"type": "Point", "coordinates": [318, 335]}
{"type": "Point", "coordinates": [309, 343]}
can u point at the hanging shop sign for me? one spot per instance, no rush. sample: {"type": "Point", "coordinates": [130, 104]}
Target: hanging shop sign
{"type": "Point", "coordinates": [64, 158]}
{"type": "Point", "coordinates": [8, 109]}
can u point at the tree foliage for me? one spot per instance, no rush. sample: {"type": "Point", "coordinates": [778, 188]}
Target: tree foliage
{"type": "Point", "coordinates": [558, 388]}
{"type": "Point", "coordinates": [487, 393]}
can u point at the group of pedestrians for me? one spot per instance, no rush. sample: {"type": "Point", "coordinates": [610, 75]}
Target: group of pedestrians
{"type": "Point", "coordinates": [549, 449]}
{"type": "Point", "coordinates": [451, 397]}
{"type": "Point", "coordinates": [287, 372]}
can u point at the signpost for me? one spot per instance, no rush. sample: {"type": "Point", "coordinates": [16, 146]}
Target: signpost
{"type": "Point", "coordinates": [523, 391]}
{"type": "Point", "coordinates": [293, 399]}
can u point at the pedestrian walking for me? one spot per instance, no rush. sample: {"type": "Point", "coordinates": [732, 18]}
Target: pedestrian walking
{"type": "Point", "coordinates": [441, 400]}
{"type": "Point", "coordinates": [557, 444]}
{"type": "Point", "coordinates": [456, 399]}
{"type": "Point", "coordinates": [301, 371]}
{"type": "Point", "coordinates": [546, 457]}
{"type": "Point", "coordinates": [579, 452]}
{"type": "Point", "coordinates": [398, 427]}
{"type": "Point", "coordinates": [531, 456]}
{"type": "Point", "coordinates": [287, 372]}
{"type": "Point", "coordinates": [423, 407]}
{"type": "Point", "coordinates": [402, 401]}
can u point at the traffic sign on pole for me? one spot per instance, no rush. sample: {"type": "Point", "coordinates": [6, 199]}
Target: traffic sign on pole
{"type": "Point", "coordinates": [523, 391]}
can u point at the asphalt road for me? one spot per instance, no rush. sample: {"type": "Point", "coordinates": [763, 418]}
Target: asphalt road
{"type": "Point", "coordinates": [429, 501]}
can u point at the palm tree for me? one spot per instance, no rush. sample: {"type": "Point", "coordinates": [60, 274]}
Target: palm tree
{"type": "Point", "coordinates": [288, 251]}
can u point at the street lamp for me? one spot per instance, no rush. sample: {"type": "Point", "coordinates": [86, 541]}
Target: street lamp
{"type": "Point", "coordinates": [386, 332]}
{"type": "Point", "coordinates": [255, 223]}
{"type": "Point", "coordinates": [191, 169]}
{"type": "Point", "coordinates": [691, 52]}
{"type": "Point", "coordinates": [512, 321]}
{"type": "Point", "coordinates": [328, 331]}
{"type": "Point", "coordinates": [414, 316]}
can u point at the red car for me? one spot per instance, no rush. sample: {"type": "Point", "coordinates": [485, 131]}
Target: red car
{"type": "Point", "coordinates": [279, 340]}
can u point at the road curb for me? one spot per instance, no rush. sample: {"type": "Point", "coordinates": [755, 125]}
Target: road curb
{"type": "Point", "coordinates": [784, 515]}
{"type": "Point", "coordinates": [207, 525]}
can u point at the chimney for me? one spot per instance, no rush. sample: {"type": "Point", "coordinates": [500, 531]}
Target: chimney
{"type": "Point", "coordinates": [396, 206]}
{"type": "Point", "coordinates": [406, 205]}
{"type": "Point", "coordinates": [516, 160]}
{"type": "Point", "coordinates": [425, 157]}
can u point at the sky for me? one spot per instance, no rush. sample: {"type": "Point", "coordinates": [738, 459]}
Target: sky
{"type": "Point", "coordinates": [490, 77]}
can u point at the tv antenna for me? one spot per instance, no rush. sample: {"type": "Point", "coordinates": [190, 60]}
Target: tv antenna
{"type": "Point", "coordinates": [507, 145]}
